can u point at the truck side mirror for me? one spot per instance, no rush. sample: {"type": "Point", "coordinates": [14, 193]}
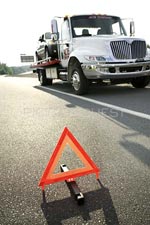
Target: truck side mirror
{"type": "Point", "coordinates": [132, 28]}
{"type": "Point", "coordinates": [40, 39]}
{"type": "Point", "coordinates": [54, 26]}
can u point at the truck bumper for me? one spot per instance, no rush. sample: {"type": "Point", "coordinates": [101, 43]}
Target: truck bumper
{"type": "Point", "coordinates": [116, 70]}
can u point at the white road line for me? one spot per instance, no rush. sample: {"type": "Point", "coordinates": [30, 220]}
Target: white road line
{"type": "Point", "coordinates": [118, 108]}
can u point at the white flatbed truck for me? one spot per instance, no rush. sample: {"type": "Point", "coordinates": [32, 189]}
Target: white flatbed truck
{"type": "Point", "coordinates": [95, 48]}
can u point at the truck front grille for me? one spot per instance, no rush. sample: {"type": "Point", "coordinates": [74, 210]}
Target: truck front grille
{"type": "Point", "coordinates": [125, 50]}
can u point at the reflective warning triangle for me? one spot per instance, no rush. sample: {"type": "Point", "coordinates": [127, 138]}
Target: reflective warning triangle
{"type": "Point", "coordinates": [50, 177]}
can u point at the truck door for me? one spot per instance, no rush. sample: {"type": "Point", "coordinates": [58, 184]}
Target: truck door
{"type": "Point", "coordinates": [65, 43]}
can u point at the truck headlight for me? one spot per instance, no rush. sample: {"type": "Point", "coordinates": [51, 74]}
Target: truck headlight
{"type": "Point", "coordinates": [95, 58]}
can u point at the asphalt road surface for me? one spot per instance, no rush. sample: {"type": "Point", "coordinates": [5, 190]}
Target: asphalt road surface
{"type": "Point", "coordinates": [113, 126]}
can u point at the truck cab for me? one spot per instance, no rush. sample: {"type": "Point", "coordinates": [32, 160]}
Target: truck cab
{"type": "Point", "coordinates": [84, 34]}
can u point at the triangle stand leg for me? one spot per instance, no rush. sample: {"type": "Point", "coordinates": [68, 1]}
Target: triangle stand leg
{"type": "Point", "coordinates": [73, 187]}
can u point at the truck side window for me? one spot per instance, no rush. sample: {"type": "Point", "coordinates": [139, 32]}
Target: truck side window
{"type": "Point", "coordinates": [65, 31]}
{"type": "Point", "coordinates": [117, 28]}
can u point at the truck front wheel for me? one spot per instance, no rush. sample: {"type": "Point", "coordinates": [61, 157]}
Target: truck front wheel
{"type": "Point", "coordinates": [79, 81]}
{"type": "Point", "coordinates": [140, 82]}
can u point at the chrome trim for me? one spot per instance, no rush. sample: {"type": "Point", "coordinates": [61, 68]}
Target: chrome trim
{"type": "Point", "coordinates": [119, 70]}
{"type": "Point", "coordinates": [122, 49]}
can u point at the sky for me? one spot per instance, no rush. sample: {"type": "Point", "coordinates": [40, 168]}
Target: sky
{"type": "Point", "coordinates": [23, 21]}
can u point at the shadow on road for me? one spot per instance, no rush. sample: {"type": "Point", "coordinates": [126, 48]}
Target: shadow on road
{"type": "Point", "coordinates": [57, 211]}
{"type": "Point", "coordinates": [136, 149]}
{"type": "Point", "coordinates": [130, 140]}
{"type": "Point", "coordinates": [128, 122]}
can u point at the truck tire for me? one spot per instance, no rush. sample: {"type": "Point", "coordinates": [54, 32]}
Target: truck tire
{"type": "Point", "coordinates": [79, 82]}
{"type": "Point", "coordinates": [42, 78]}
{"type": "Point", "coordinates": [50, 81]}
{"type": "Point", "coordinates": [53, 52]}
{"type": "Point", "coordinates": [140, 82]}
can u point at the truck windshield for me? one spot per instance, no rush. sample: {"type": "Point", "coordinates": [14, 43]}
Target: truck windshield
{"type": "Point", "coordinates": [91, 25]}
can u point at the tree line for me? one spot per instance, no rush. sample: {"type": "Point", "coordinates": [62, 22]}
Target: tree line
{"type": "Point", "coordinates": [4, 69]}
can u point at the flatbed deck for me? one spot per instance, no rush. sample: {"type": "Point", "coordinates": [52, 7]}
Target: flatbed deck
{"type": "Point", "coordinates": [45, 63]}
